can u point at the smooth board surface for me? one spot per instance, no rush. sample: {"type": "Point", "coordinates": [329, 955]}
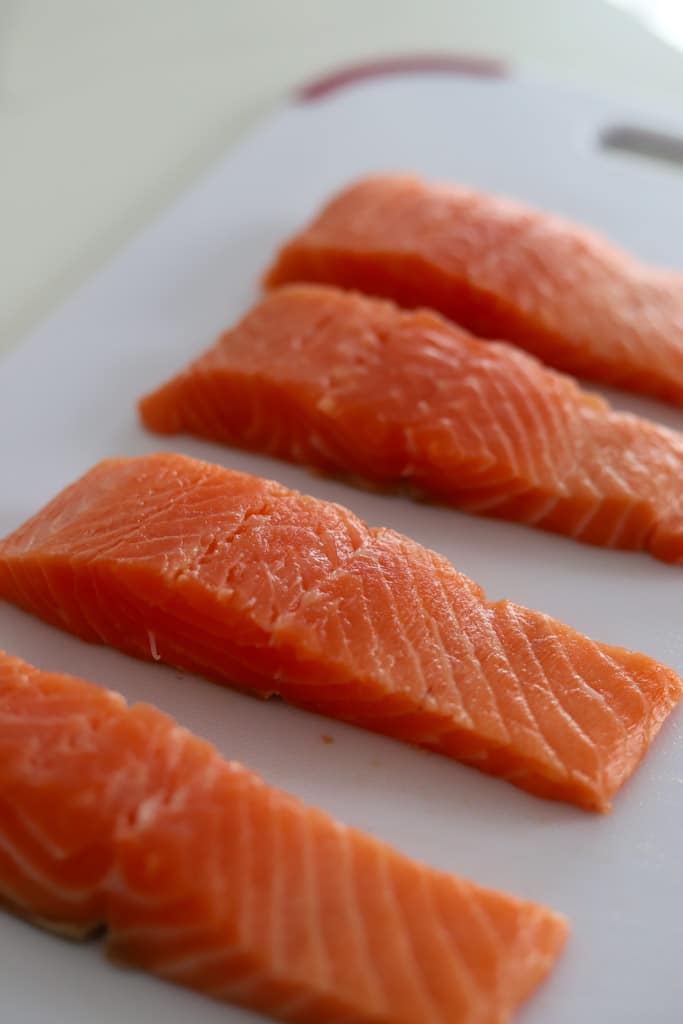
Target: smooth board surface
{"type": "Point", "coordinates": [68, 399]}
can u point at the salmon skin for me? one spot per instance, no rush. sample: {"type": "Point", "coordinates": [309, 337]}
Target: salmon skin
{"type": "Point", "coordinates": [248, 583]}
{"type": "Point", "coordinates": [114, 815]}
{"type": "Point", "coordinates": [502, 271]}
{"type": "Point", "coordinates": [346, 383]}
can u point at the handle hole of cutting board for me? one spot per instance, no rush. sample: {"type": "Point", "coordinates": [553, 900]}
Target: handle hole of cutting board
{"type": "Point", "coordinates": [644, 142]}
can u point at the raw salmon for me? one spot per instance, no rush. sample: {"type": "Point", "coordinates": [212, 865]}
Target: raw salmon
{"type": "Point", "coordinates": [503, 271]}
{"type": "Point", "coordinates": [115, 816]}
{"type": "Point", "coordinates": [246, 582]}
{"type": "Point", "coordinates": [343, 382]}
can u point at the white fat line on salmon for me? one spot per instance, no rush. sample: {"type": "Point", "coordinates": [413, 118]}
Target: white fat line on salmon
{"type": "Point", "coordinates": [153, 645]}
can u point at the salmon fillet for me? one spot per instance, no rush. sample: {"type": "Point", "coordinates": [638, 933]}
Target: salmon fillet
{"type": "Point", "coordinates": [503, 271]}
{"type": "Point", "coordinates": [115, 816]}
{"type": "Point", "coordinates": [343, 382]}
{"type": "Point", "coordinates": [248, 583]}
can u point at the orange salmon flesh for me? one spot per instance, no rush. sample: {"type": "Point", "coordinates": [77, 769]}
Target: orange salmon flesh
{"type": "Point", "coordinates": [210, 878]}
{"type": "Point", "coordinates": [503, 271]}
{"type": "Point", "coordinates": [354, 385]}
{"type": "Point", "coordinates": [248, 583]}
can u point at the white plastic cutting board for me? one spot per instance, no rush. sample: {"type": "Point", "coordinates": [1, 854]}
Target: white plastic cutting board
{"type": "Point", "coordinates": [67, 399]}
